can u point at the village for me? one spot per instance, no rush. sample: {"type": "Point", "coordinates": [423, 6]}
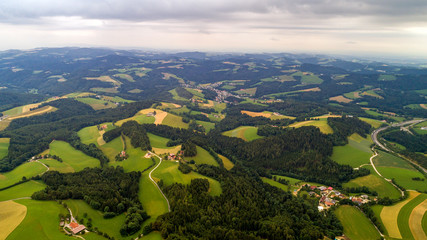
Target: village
{"type": "Point", "coordinates": [328, 197]}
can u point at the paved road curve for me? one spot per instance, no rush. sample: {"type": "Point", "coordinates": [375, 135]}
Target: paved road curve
{"type": "Point", "coordinates": [149, 175]}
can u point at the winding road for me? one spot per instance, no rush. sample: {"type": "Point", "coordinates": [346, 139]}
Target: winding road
{"type": "Point", "coordinates": [155, 183]}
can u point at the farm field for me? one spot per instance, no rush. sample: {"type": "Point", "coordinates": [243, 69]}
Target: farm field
{"type": "Point", "coordinates": [356, 225]}
{"type": "Point", "coordinates": [226, 162]}
{"type": "Point", "coordinates": [322, 124]}
{"type": "Point", "coordinates": [355, 153]}
{"type": "Point", "coordinates": [340, 99]}
{"type": "Point", "coordinates": [157, 141]}
{"type": "Point", "coordinates": [141, 117]}
{"type": "Point", "coordinates": [389, 216]}
{"type": "Point", "coordinates": [373, 122]}
{"type": "Point", "coordinates": [12, 214]}
{"type": "Point", "coordinates": [111, 226]}
{"type": "Point", "coordinates": [45, 109]}
{"type": "Point", "coordinates": [41, 221]}
{"type": "Point", "coordinates": [73, 157]}
{"type": "Point", "coordinates": [124, 76]}
{"type": "Point", "coordinates": [89, 135]}
{"type": "Point", "coordinates": [176, 96]}
{"type": "Point", "coordinates": [276, 184]}
{"type": "Point", "coordinates": [247, 133]}
{"type": "Point", "coordinates": [21, 190]}
{"type": "Point", "coordinates": [136, 160]}
{"type": "Point", "coordinates": [385, 159]}
{"type": "Point", "coordinates": [174, 121]}
{"type": "Point", "coordinates": [112, 148]}
{"type": "Point", "coordinates": [374, 183]}
{"type": "Point", "coordinates": [404, 217]}
{"type": "Point", "coordinates": [307, 78]}
{"type": "Point", "coordinates": [403, 177]}
{"type": "Point", "coordinates": [169, 173]}
{"type": "Point", "coordinates": [417, 128]}
{"type": "Point", "coordinates": [96, 104]}
{"type": "Point", "coordinates": [203, 157]}
{"type": "Point", "coordinates": [207, 125]}
{"type": "Point", "coordinates": [292, 181]}
{"type": "Point", "coordinates": [28, 169]}
{"type": "Point", "coordinates": [266, 114]}
{"type": "Point", "coordinates": [4, 146]}
{"type": "Point", "coordinates": [55, 165]}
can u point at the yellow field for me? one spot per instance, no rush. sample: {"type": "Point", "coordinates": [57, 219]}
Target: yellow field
{"type": "Point", "coordinates": [11, 215]}
{"type": "Point", "coordinates": [415, 221]}
{"type": "Point", "coordinates": [322, 125]}
{"type": "Point", "coordinates": [389, 216]}
{"type": "Point", "coordinates": [162, 115]}
{"type": "Point", "coordinates": [105, 79]}
{"type": "Point", "coordinates": [39, 111]}
{"type": "Point", "coordinates": [256, 114]}
{"type": "Point", "coordinates": [423, 106]}
{"type": "Point", "coordinates": [227, 163]}
{"type": "Point", "coordinates": [209, 104]}
{"type": "Point", "coordinates": [100, 140]}
{"type": "Point", "coordinates": [316, 89]}
{"type": "Point", "coordinates": [173, 150]}
{"type": "Point", "coordinates": [340, 99]}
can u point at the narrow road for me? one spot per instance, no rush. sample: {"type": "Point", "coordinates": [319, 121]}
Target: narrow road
{"type": "Point", "coordinates": [47, 168]}
{"type": "Point", "coordinates": [149, 175]}
{"type": "Point", "coordinates": [16, 199]}
{"type": "Point", "coordinates": [402, 193]}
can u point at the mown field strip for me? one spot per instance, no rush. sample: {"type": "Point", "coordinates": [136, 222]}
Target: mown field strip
{"type": "Point", "coordinates": [415, 221]}
{"type": "Point", "coordinates": [11, 215]}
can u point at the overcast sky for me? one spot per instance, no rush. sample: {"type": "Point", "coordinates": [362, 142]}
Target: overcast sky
{"type": "Point", "coordinates": [382, 27]}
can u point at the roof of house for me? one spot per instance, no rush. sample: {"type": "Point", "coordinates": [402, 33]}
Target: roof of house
{"type": "Point", "coordinates": [78, 229]}
{"type": "Point", "coordinates": [73, 225]}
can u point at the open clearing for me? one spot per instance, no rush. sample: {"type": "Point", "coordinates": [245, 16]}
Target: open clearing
{"type": "Point", "coordinates": [75, 158]}
{"type": "Point", "coordinates": [389, 216]}
{"type": "Point", "coordinates": [203, 157]}
{"type": "Point", "coordinates": [4, 146]}
{"type": "Point", "coordinates": [403, 177]}
{"type": "Point", "coordinates": [276, 184]}
{"type": "Point", "coordinates": [247, 133]}
{"type": "Point", "coordinates": [89, 135]}
{"type": "Point", "coordinates": [55, 165]}
{"type": "Point", "coordinates": [174, 121]}
{"type": "Point", "coordinates": [112, 148]}
{"type": "Point", "coordinates": [356, 225]}
{"type": "Point", "coordinates": [28, 169]}
{"type": "Point", "coordinates": [39, 111]}
{"type": "Point", "coordinates": [157, 141]}
{"type": "Point", "coordinates": [322, 124]}
{"type": "Point", "coordinates": [340, 99]}
{"type": "Point", "coordinates": [105, 79]}
{"type": "Point", "coordinates": [141, 117]}
{"type": "Point", "coordinates": [21, 190]}
{"type": "Point", "coordinates": [416, 221]}
{"type": "Point", "coordinates": [355, 153]}
{"type": "Point", "coordinates": [266, 114]}
{"type": "Point", "coordinates": [385, 159]}
{"type": "Point", "coordinates": [169, 173]}
{"type": "Point", "coordinates": [373, 122]}
{"type": "Point", "coordinates": [136, 160]}
{"type": "Point", "coordinates": [11, 215]}
{"type": "Point", "coordinates": [374, 183]}
{"type": "Point", "coordinates": [41, 221]}
{"type": "Point", "coordinates": [97, 104]}
{"type": "Point", "coordinates": [226, 162]}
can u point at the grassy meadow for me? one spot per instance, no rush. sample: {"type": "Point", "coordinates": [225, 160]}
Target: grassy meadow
{"type": "Point", "coordinates": [404, 216]}
{"type": "Point", "coordinates": [355, 153]}
{"type": "Point", "coordinates": [247, 133]}
{"type": "Point", "coordinates": [71, 156]}
{"type": "Point", "coordinates": [41, 221]}
{"type": "Point", "coordinates": [12, 214]}
{"type": "Point", "coordinates": [55, 165]}
{"type": "Point", "coordinates": [96, 104]}
{"type": "Point", "coordinates": [174, 121]}
{"type": "Point", "coordinates": [22, 190]}
{"type": "Point", "coordinates": [112, 148]}
{"type": "Point", "coordinates": [89, 135]}
{"type": "Point", "coordinates": [136, 160]}
{"type": "Point", "coordinates": [203, 157]}
{"type": "Point", "coordinates": [28, 170]}
{"type": "Point", "coordinates": [322, 124]}
{"type": "Point", "coordinates": [356, 225]}
{"type": "Point", "coordinates": [276, 184]}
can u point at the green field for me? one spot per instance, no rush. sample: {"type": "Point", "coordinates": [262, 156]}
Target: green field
{"type": "Point", "coordinates": [207, 125]}
{"type": "Point", "coordinates": [75, 158]}
{"type": "Point", "coordinates": [292, 181]}
{"type": "Point", "coordinates": [89, 135]}
{"type": "Point", "coordinates": [157, 141]}
{"type": "Point", "coordinates": [176, 96]}
{"type": "Point", "coordinates": [14, 111]}
{"type": "Point", "coordinates": [308, 78]}
{"type": "Point", "coordinates": [424, 223]}
{"type": "Point", "coordinates": [405, 212]}
{"type": "Point", "coordinates": [22, 190]}
{"type": "Point", "coordinates": [96, 104]}
{"type": "Point", "coordinates": [355, 153]}
{"type": "Point", "coordinates": [403, 177]}
{"type": "Point", "coordinates": [112, 148]}
{"type": "Point", "coordinates": [373, 122]}
{"type": "Point", "coordinates": [276, 184]}
{"type": "Point", "coordinates": [374, 183]}
{"type": "Point", "coordinates": [169, 173]}
{"type": "Point", "coordinates": [195, 92]}
{"type": "Point", "coordinates": [203, 157]}
{"type": "Point", "coordinates": [386, 77]}
{"type": "Point", "coordinates": [417, 128]}
{"type": "Point", "coordinates": [55, 165]}
{"type": "Point", "coordinates": [41, 221]}
{"type": "Point", "coordinates": [136, 160]}
{"type": "Point", "coordinates": [4, 146]}
{"type": "Point", "coordinates": [28, 169]}
{"type": "Point", "coordinates": [110, 226]}
{"type": "Point", "coordinates": [124, 76]}
{"type": "Point", "coordinates": [385, 159]}
{"type": "Point", "coordinates": [356, 225]}
{"type": "Point", "coordinates": [246, 133]}
{"type": "Point", "coordinates": [322, 124]}
{"type": "Point", "coordinates": [352, 95]}
{"type": "Point", "coordinates": [174, 121]}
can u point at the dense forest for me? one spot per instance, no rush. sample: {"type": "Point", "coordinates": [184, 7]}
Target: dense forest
{"type": "Point", "coordinates": [137, 134]}
{"type": "Point", "coordinates": [109, 190]}
{"type": "Point", "coordinates": [247, 209]}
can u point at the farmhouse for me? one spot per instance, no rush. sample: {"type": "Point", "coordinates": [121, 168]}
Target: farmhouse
{"type": "Point", "coordinates": [75, 227]}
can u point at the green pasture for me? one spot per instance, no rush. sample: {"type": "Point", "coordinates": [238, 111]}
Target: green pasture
{"type": "Point", "coordinates": [4, 147]}
{"type": "Point", "coordinates": [55, 165]}
{"type": "Point", "coordinates": [373, 122]}
{"type": "Point", "coordinates": [248, 91]}
{"type": "Point", "coordinates": [96, 104]}
{"type": "Point", "coordinates": [168, 172]}
{"type": "Point", "coordinates": [422, 91]}
{"type": "Point", "coordinates": [374, 183]}
{"type": "Point", "coordinates": [405, 213]}
{"type": "Point", "coordinates": [292, 181]}
{"type": "Point", "coordinates": [89, 135]}
{"type": "Point", "coordinates": [203, 157]}
{"type": "Point", "coordinates": [417, 128]}
{"type": "Point", "coordinates": [28, 169]}
{"type": "Point", "coordinates": [207, 125]}
{"type": "Point", "coordinates": [195, 92]}
{"type": "Point", "coordinates": [124, 76]}
{"type": "Point", "coordinates": [385, 159]}
{"type": "Point", "coordinates": [136, 160]}
{"type": "Point", "coordinates": [403, 177]}
{"type": "Point", "coordinates": [75, 158]}
{"type": "Point", "coordinates": [22, 190]}
{"type": "Point", "coordinates": [275, 184]}
{"type": "Point", "coordinates": [152, 236]}
{"type": "Point", "coordinates": [356, 225]}
{"type": "Point", "coordinates": [112, 148]}
{"type": "Point", "coordinates": [174, 121]}
{"type": "Point", "coordinates": [308, 78]}
{"type": "Point", "coordinates": [157, 141]}
{"type": "Point", "coordinates": [41, 221]}
{"type": "Point", "coordinates": [110, 226]}
{"type": "Point", "coordinates": [176, 96]}
{"type": "Point", "coordinates": [322, 124]}
{"type": "Point", "coordinates": [14, 111]}
{"type": "Point", "coordinates": [355, 153]}
{"type": "Point", "coordinates": [247, 133]}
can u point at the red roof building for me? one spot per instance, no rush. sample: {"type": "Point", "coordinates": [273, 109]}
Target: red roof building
{"type": "Point", "coordinates": [76, 228]}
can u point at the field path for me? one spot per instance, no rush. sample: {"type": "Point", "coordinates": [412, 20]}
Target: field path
{"type": "Point", "coordinates": [152, 180]}
{"type": "Point", "coordinates": [100, 139]}
{"type": "Point", "coordinates": [388, 180]}
{"type": "Point", "coordinates": [415, 221]}
{"type": "Point", "coordinates": [389, 216]}
{"type": "Point", "coordinates": [47, 168]}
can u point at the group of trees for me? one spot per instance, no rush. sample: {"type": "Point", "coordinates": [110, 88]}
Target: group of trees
{"type": "Point", "coordinates": [189, 149]}
{"type": "Point", "coordinates": [136, 132]}
{"type": "Point", "coordinates": [345, 126]}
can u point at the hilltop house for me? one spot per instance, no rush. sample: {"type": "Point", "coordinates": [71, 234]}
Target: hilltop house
{"type": "Point", "coordinates": [75, 227]}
